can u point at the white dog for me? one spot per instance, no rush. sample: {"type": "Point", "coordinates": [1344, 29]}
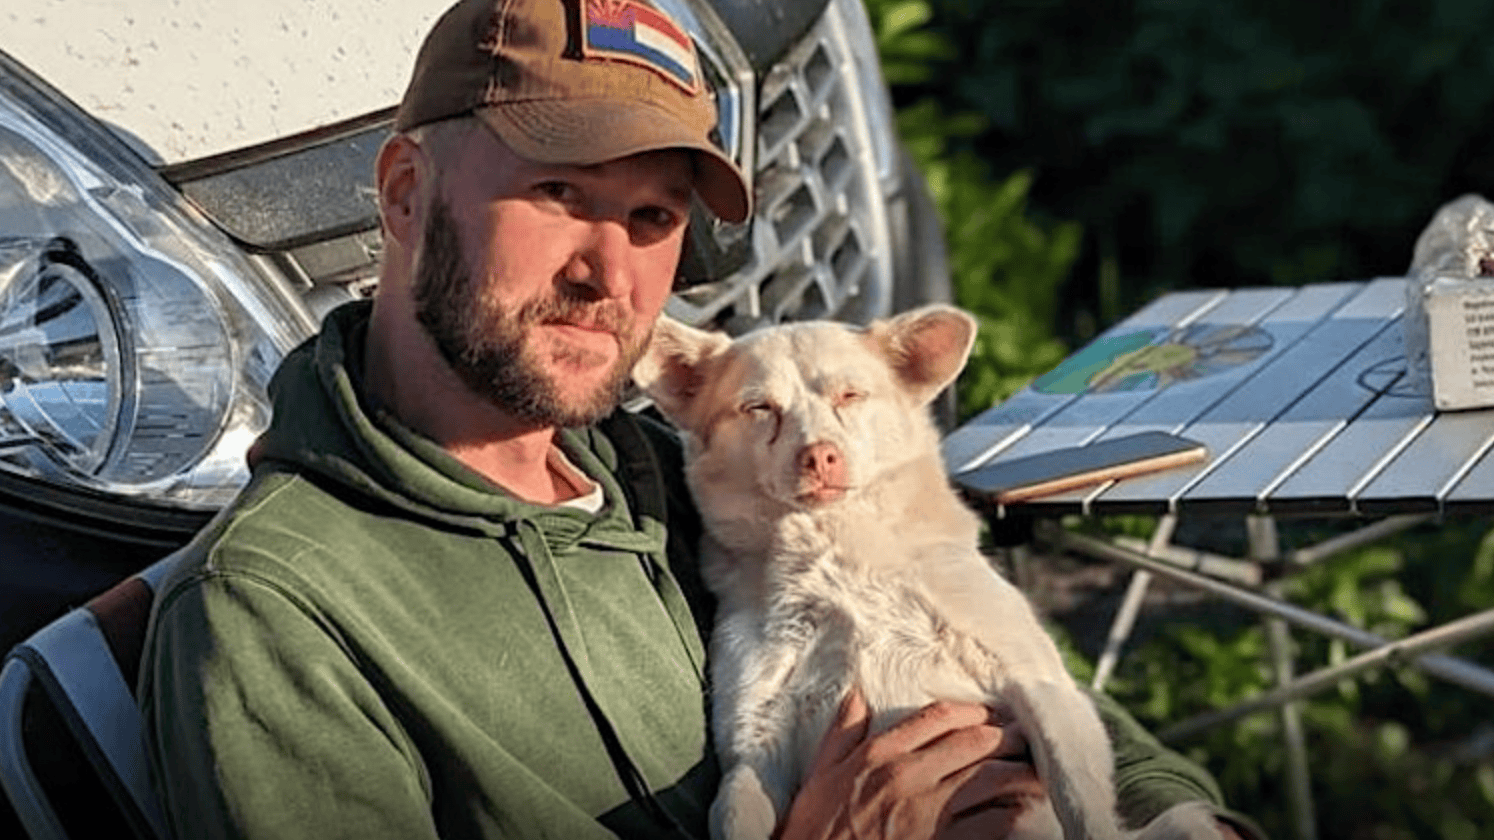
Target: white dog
{"type": "Point", "coordinates": [841, 556]}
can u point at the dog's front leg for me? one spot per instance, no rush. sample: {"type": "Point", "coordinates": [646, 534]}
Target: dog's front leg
{"type": "Point", "coordinates": [744, 808]}
{"type": "Point", "coordinates": [755, 721]}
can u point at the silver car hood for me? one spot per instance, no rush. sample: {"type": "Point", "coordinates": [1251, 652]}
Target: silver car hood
{"type": "Point", "coordinates": [188, 79]}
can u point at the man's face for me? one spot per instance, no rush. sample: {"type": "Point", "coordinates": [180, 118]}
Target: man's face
{"type": "Point", "coordinates": [539, 284]}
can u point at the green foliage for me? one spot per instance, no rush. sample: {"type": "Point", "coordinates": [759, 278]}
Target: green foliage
{"type": "Point", "coordinates": [1393, 753]}
{"type": "Point", "coordinates": [1006, 268]}
{"type": "Point", "coordinates": [1209, 143]}
{"type": "Point", "coordinates": [907, 50]}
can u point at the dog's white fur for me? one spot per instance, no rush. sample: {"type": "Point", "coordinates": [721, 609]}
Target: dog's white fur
{"type": "Point", "coordinates": [859, 568]}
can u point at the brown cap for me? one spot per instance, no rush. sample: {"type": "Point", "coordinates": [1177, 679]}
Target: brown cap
{"type": "Point", "coordinates": [575, 82]}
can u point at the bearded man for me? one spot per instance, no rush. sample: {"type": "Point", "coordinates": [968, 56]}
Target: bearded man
{"type": "Point", "coordinates": [458, 596]}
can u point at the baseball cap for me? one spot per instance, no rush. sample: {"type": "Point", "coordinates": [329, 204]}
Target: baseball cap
{"type": "Point", "coordinates": [575, 82]}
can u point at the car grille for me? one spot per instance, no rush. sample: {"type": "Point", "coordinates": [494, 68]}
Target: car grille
{"type": "Point", "coordinates": [819, 240]}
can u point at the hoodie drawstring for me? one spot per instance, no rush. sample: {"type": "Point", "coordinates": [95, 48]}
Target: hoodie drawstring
{"type": "Point", "coordinates": [539, 572]}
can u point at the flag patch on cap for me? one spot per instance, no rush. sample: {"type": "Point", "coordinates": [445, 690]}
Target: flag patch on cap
{"type": "Point", "coordinates": [627, 30]}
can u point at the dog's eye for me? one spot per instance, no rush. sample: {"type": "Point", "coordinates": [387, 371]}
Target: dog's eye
{"type": "Point", "coordinates": [759, 409]}
{"type": "Point", "coordinates": [848, 396]}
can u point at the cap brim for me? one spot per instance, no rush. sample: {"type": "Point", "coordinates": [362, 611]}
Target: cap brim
{"type": "Point", "coordinates": [591, 131]}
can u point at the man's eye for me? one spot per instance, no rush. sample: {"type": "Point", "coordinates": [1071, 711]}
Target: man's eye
{"type": "Point", "coordinates": [657, 218]}
{"type": "Point", "coordinates": [759, 409]}
{"type": "Point", "coordinates": [555, 190]}
{"type": "Point", "coordinates": [650, 225]}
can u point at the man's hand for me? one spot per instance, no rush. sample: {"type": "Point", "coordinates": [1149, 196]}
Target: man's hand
{"type": "Point", "coordinates": [948, 771]}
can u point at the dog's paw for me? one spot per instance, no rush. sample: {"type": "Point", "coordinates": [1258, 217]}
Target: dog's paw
{"type": "Point", "coordinates": [1185, 821]}
{"type": "Point", "coordinates": [742, 810]}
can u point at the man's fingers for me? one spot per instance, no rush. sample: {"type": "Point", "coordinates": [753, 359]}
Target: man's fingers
{"type": "Point", "coordinates": [985, 824]}
{"type": "Point", "coordinates": [991, 783]}
{"type": "Point", "coordinates": [929, 724]}
{"type": "Point", "coordinates": [847, 730]}
{"type": "Point", "coordinates": [941, 768]}
{"type": "Point", "coordinates": [933, 764]}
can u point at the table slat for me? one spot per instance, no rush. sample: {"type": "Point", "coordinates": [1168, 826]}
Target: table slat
{"type": "Point", "coordinates": [1327, 482]}
{"type": "Point", "coordinates": [1474, 494]}
{"type": "Point", "coordinates": [1421, 475]}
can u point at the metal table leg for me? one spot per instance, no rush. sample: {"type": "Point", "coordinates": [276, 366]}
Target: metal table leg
{"type": "Point", "coordinates": [1265, 547]}
{"type": "Point", "coordinates": [1125, 617]}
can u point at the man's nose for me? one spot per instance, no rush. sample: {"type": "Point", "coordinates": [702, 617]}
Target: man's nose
{"type": "Point", "coordinates": [600, 264]}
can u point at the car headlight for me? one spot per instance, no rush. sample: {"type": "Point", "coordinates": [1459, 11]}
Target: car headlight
{"type": "Point", "coordinates": [136, 342]}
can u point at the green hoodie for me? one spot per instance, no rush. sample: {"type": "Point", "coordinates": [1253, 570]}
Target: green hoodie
{"type": "Point", "coordinates": [375, 642]}
{"type": "Point", "coordinates": [356, 648]}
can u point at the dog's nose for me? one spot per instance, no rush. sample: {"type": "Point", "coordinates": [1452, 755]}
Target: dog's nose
{"type": "Point", "coordinates": [824, 462]}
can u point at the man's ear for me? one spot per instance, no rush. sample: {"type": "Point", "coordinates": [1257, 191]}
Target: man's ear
{"type": "Point", "coordinates": [926, 347]}
{"type": "Point", "coordinates": [400, 171]}
{"type": "Point", "coordinates": [676, 366]}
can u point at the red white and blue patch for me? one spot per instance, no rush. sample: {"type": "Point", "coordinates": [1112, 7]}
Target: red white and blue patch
{"type": "Point", "coordinates": [627, 30]}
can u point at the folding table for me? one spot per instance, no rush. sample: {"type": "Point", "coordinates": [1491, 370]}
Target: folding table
{"type": "Point", "coordinates": [1302, 398]}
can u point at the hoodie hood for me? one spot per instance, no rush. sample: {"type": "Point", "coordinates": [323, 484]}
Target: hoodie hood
{"type": "Point", "coordinates": [370, 452]}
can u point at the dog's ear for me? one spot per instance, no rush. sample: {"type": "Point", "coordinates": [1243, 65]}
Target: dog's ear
{"type": "Point", "coordinates": [926, 347]}
{"type": "Point", "coordinates": [676, 366]}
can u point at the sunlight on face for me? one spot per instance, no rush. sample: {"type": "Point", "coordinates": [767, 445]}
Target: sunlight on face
{"type": "Point", "coordinates": [488, 344]}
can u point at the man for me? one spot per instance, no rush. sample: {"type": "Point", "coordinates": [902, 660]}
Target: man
{"type": "Point", "coordinates": [457, 598]}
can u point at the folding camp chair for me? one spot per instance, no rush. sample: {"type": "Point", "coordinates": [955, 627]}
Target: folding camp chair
{"type": "Point", "coordinates": [72, 740]}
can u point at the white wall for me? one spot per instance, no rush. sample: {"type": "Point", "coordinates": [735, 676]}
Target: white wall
{"type": "Point", "coordinates": [191, 78]}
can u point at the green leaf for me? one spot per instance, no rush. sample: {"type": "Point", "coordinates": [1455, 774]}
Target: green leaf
{"type": "Point", "coordinates": [1484, 775]}
{"type": "Point", "coordinates": [897, 19]}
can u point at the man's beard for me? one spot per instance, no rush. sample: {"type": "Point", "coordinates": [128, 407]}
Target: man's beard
{"type": "Point", "coordinates": [484, 342]}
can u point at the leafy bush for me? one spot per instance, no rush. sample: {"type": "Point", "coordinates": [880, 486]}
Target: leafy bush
{"type": "Point", "coordinates": [1225, 144]}
{"type": "Point", "coordinates": [1007, 268]}
{"type": "Point", "coordinates": [1394, 753]}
